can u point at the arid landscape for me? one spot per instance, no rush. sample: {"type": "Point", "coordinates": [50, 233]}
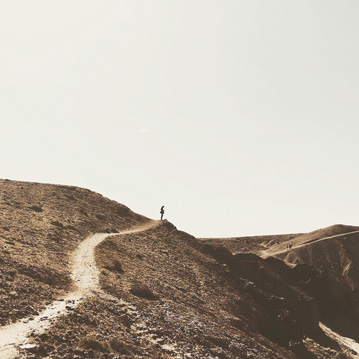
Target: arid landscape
{"type": "Point", "coordinates": [85, 277]}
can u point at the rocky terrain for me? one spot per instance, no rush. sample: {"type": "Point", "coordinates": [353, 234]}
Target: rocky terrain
{"type": "Point", "coordinates": [164, 293]}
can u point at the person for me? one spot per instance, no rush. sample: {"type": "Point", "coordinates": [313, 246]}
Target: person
{"type": "Point", "coordinates": [162, 211]}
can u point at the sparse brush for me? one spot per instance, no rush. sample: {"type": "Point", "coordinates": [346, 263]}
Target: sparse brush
{"type": "Point", "coordinates": [100, 216]}
{"type": "Point", "coordinates": [117, 266]}
{"type": "Point", "coordinates": [104, 272]}
{"type": "Point", "coordinates": [91, 342]}
{"type": "Point", "coordinates": [114, 265]}
{"type": "Point", "coordinates": [119, 346]}
{"type": "Point", "coordinates": [144, 291]}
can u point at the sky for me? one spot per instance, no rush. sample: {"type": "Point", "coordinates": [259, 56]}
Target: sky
{"type": "Point", "coordinates": [240, 117]}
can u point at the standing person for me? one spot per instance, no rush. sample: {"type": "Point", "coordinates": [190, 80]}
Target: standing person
{"type": "Point", "coordinates": [162, 211]}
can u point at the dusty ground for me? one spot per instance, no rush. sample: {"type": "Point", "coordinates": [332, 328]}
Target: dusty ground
{"type": "Point", "coordinates": [165, 294]}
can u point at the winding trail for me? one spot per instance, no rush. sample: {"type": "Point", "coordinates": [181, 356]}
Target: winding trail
{"type": "Point", "coordinates": [86, 276]}
{"type": "Point", "coordinates": [272, 252]}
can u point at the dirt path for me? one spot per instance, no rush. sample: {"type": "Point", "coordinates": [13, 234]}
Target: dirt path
{"type": "Point", "coordinates": [272, 252]}
{"type": "Point", "coordinates": [86, 276]}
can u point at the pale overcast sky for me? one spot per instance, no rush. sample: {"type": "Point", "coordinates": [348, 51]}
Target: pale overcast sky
{"type": "Point", "coordinates": [241, 117]}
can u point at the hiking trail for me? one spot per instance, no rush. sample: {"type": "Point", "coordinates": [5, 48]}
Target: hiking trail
{"type": "Point", "coordinates": [86, 277]}
{"type": "Point", "coordinates": [270, 253]}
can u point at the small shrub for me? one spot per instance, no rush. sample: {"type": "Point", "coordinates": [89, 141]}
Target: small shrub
{"type": "Point", "coordinates": [126, 321]}
{"type": "Point", "coordinates": [117, 266]}
{"type": "Point", "coordinates": [119, 346]}
{"type": "Point", "coordinates": [144, 291]}
{"type": "Point", "coordinates": [57, 224]}
{"type": "Point", "coordinates": [90, 342]}
{"type": "Point", "coordinates": [114, 266]}
{"type": "Point", "coordinates": [104, 272]}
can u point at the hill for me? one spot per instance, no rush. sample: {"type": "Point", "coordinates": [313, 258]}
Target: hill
{"type": "Point", "coordinates": [40, 225]}
{"type": "Point", "coordinates": [249, 244]}
{"type": "Point", "coordinates": [323, 264]}
{"type": "Point", "coordinates": [163, 293]}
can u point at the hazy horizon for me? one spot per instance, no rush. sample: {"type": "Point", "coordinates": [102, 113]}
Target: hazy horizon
{"type": "Point", "coordinates": [241, 118]}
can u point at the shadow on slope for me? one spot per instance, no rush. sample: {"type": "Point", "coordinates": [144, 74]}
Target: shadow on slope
{"type": "Point", "coordinates": [336, 286]}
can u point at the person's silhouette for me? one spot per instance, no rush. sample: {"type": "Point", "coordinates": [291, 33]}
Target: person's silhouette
{"type": "Point", "coordinates": [162, 211]}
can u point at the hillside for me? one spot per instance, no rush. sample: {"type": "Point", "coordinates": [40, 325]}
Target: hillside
{"type": "Point", "coordinates": [163, 293]}
{"type": "Point", "coordinates": [40, 225]}
{"type": "Point", "coordinates": [323, 265]}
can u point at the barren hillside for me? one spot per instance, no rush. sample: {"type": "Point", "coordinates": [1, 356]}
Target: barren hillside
{"type": "Point", "coordinates": [163, 293]}
{"type": "Point", "coordinates": [41, 225]}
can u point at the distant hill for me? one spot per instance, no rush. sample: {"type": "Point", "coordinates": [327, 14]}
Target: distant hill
{"type": "Point", "coordinates": [324, 263]}
{"type": "Point", "coordinates": [250, 244]}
